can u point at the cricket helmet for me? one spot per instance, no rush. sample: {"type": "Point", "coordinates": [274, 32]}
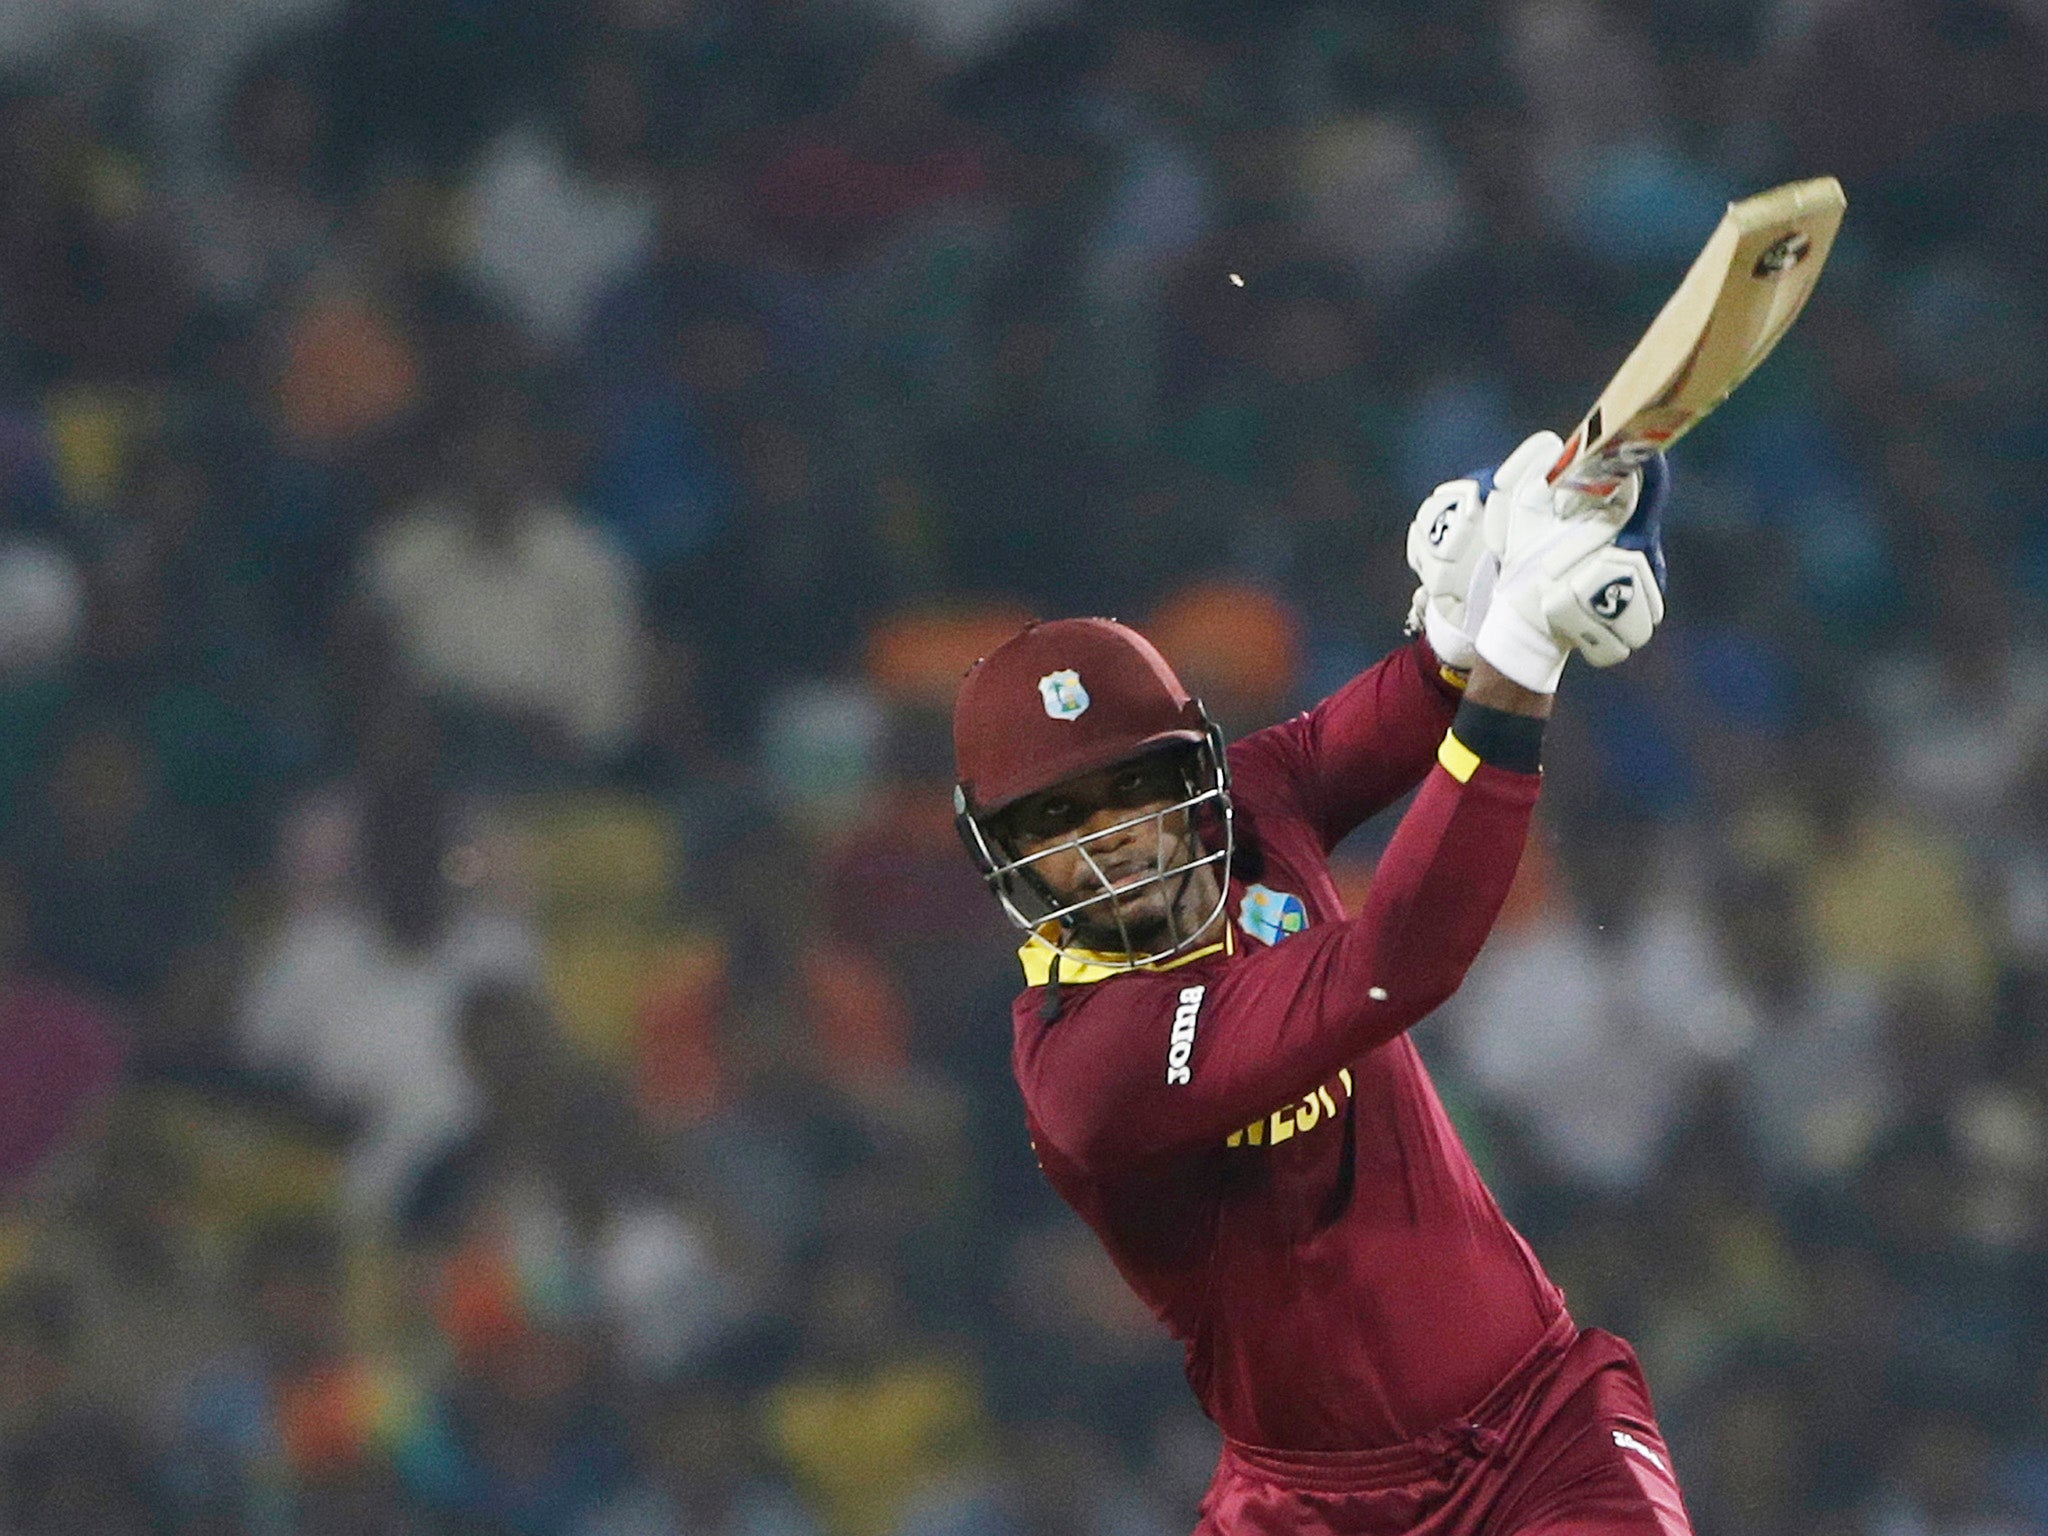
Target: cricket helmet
{"type": "Point", "coordinates": [1068, 698]}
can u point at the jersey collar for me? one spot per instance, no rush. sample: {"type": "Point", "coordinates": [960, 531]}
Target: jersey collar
{"type": "Point", "coordinates": [1081, 966]}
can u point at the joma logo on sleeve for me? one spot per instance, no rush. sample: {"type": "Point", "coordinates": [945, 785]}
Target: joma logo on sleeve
{"type": "Point", "coordinates": [1181, 1047]}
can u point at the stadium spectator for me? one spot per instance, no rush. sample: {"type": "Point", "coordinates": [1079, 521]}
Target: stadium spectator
{"type": "Point", "coordinates": [354, 1002]}
{"type": "Point", "coordinates": [560, 208]}
{"type": "Point", "coordinates": [513, 613]}
{"type": "Point", "coordinates": [261, 220]}
{"type": "Point", "coordinates": [1600, 1024]}
{"type": "Point", "coordinates": [876, 1418]}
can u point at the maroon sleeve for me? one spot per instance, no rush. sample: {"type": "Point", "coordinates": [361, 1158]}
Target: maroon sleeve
{"type": "Point", "coordinates": [1356, 753]}
{"type": "Point", "coordinates": [1274, 1023]}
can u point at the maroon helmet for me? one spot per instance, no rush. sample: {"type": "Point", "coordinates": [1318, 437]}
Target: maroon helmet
{"type": "Point", "coordinates": [1068, 698]}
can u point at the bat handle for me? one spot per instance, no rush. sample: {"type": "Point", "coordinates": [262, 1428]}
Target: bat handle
{"type": "Point", "coordinates": [1572, 445]}
{"type": "Point", "coordinates": [1594, 489]}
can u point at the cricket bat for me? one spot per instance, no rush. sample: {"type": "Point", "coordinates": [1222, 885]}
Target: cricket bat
{"type": "Point", "coordinates": [1743, 293]}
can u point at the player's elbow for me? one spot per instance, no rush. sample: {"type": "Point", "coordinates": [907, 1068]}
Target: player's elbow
{"type": "Point", "coordinates": [1424, 990]}
{"type": "Point", "coordinates": [1442, 984]}
{"type": "Point", "coordinates": [1415, 973]}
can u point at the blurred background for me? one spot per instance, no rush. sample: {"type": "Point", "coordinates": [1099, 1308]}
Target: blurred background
{"type": "Point", "coordinates": [497, 1037]}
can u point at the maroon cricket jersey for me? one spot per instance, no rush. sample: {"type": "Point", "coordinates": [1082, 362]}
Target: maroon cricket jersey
{"type": "Point", "coordinates": [1250, 1132]}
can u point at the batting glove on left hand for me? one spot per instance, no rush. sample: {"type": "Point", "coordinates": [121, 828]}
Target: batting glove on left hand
{"type": "Point", "coordinates": [1570, 579]}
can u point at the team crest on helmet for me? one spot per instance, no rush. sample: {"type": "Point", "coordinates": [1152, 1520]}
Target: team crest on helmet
{"type": "Point", "coordinates": [1269, 915]}
{"type": "Point", "coordinates": [1063, 694]}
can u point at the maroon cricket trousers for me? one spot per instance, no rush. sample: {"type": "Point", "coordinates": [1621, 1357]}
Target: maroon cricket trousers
{"type": "Point", "coordinates": [1567, 1446]}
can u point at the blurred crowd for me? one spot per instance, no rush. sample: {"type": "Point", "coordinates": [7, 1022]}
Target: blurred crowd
{"type": "Point", "coordinates": [495, 498]}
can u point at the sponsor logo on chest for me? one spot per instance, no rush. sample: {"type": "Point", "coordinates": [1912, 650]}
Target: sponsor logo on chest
{"type": "Point", "coordinates": [1297, 1119]}
{"type": "Point", "coordinates": [1180, 1048]}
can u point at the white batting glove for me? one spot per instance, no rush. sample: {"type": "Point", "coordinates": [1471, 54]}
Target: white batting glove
{"type": "Point", "coordinates": [1564, 583]}
{"type": "Point", "coordinates": [1447, 551]}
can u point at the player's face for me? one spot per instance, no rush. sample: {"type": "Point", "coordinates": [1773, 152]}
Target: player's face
{"type": "Point", "coordinates": [1130, 798]}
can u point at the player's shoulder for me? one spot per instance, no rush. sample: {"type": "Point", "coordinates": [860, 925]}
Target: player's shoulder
{"type": "Point", "coordinates": [1102, 999]}
{"type": "Point", "coordinates": [1103, 1022]}
{"type": "Point", "coordinates": [1265, 751]}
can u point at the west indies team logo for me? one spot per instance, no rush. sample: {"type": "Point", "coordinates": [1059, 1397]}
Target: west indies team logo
{"type": "Point", "coordinates": [1269, 915]}
{"type": "Point", "coordinates": [1063, 694]}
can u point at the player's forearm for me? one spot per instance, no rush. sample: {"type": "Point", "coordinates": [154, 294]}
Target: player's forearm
{"type": "Point", "coordinates": [1490, 689]}
{"type": "Point", "coordinates": [1443, 879]}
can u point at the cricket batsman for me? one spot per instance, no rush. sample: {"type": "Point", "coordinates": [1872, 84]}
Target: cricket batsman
{"type": "Point", "coordinates": [1213, 1054]}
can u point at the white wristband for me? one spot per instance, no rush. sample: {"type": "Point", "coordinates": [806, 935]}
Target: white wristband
{"type": "Point", "coordinates": [1519, 651]}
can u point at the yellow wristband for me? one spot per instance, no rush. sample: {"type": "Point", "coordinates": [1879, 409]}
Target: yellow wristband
{"type": "Point", "coordinates": [1459, 760]}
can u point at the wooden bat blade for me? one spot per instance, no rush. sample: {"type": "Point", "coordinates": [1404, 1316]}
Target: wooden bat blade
{"type": "Point", "coordinates": [1741, 295]}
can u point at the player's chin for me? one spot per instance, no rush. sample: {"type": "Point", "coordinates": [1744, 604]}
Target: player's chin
{"type": "Point", "coordinates": [1138, 921]}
